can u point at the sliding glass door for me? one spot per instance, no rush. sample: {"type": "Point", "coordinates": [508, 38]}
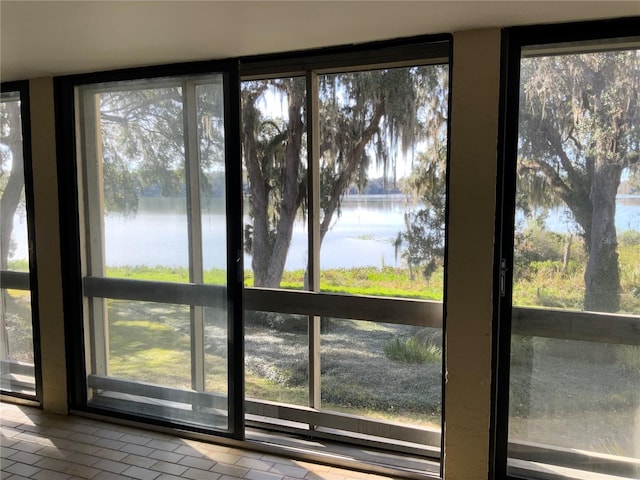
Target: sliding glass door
{"type": "Point", "coordinates": [160, 268]}
{"type": "Point", "coordinates": [574, 366]}
{"type": "Point", "coordinates": [19, 355]}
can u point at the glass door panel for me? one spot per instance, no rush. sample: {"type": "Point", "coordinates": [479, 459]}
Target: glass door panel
{"type": "Point", "coordinates": [574, 372]}
{"type": "Point", "coordinates": [154, 173]}
{"type": "Point", "coordinates": [17, 352]}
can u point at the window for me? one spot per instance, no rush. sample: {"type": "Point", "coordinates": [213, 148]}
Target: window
{"type": "Point", "coordinates": [18, 353]}
{"type": "Point", "coordinates": [154, 174]}
{"type": "Point", "coordinates": [344, 181]}
{"type": "Point", "coordinates": [574, 359]}
{"type": "Point", "coordinates": [340, 193]}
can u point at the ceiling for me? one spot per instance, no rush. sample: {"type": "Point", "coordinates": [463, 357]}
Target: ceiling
{"type": "Point", "coordinates": [42, 38]}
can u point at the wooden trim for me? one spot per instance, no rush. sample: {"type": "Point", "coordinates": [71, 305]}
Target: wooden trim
{"type": "Point", "coordinates": [161, 292]}
{"type": "Point", "coordinates": [423, 313]}
{"type": "Point", "coordinates": [299, 414]}
{"type": "Point", "coordinates": [573, 458]}
{"type": "Point", "coordinates": [15, 280]}
{"type": "Point", "coordinates": [170, 394]}
{"type": "Point", "coordinates": [344, 422]}
{"type": "Point", "coordinates": [561, 324]}
{"type": "Point", "coordinates": [572, 325]}
{"type": "Point", "coordinates": [18, 368]}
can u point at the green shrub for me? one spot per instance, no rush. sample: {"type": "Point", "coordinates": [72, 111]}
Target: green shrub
{"type": "Point", "coordinates": [412, 350]}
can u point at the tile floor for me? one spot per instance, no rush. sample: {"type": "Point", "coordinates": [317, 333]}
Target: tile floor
{"type": "Point", "coordinates": [42, 446]}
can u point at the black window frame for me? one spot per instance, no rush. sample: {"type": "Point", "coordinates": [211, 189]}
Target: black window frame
{"type": "Point", "coordinates": [513, 40]}
{"type": "Point", "coordinates": [22, 88]}
{"type": "Point", "coordinates": [71, 228]}
{"type": "Point", "coordinates": [426, 49]}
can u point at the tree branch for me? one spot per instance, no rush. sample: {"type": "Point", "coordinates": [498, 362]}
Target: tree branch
{"type": "Point", "coordinates": [552, 177]}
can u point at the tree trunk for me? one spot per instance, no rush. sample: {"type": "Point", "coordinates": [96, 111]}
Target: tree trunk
{"type": "Point", "coordinates": [15, 183]}
{"type": "Point", "coordinates": [290, 191]}
{"type": "Point", "coordinates": [602, 275]}
{"type": "Point", "coordinates": [270, 245]}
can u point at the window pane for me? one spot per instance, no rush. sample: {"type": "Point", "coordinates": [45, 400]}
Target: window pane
{"type": "Point", "coordinates": [277, 357]}
{"type": "Point", "coordinates": [14, 247]}
{"type": "Point", "coordinates": [382, 371]}
{"type": "Point", "coordinates": [153, 175]}
{"type": "Point", "coordinates": [149, 342]}
{"type": "Point", "coordinates": [382, 170]}
{"type": "Point", "coordinates": [17, 363]}
{"type": "Point", "coordinates": [275, 166]}
{"type": "Point", "coordinates": [575, 394]}
{"type": "Point", "coordinates": [149, 346]}
{"type": "Point", "coordinates": [136, 137]}
{"type": "Point", "coordinates": [381, 176]}
{"type": "Point", "coordinates": [216, 353]}
{"type": "Point", "coordinates": [210, 119]}
{"type": "Point", "coordinates": [573, 385]}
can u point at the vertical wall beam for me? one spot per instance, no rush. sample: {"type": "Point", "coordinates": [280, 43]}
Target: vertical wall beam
{"type": "Point", "coordinates": [472, 181]}
{"type": "Point", "coordinates": [52, 344]}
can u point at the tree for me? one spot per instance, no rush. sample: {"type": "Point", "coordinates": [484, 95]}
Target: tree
{"type": "Point", "coordinates": [143, 143]}
{"type": "Point", "coordinates": [11, 173]}
{"type": "Point", "coordinates": [423, 240]}
{"type": "Point", "coordinates": [579, 131]}
{"type": "Point", "coordinates": [365, 118]}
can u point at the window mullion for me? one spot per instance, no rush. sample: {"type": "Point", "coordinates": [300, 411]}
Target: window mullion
{"type": "Point", "coordinates": [196, 274]}
{"type": "Point", "coordinates": [94, 217]}
{"type": "Point", "coordinates": [313, 271]}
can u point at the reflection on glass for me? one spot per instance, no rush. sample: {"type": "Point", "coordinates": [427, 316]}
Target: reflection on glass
{"type": "Point", "coordinates": [277, 357]}
{"type": "Point", "coordinates": [577, 240]}
{"type": "Point", "coordinates": [382, 191]}
{"type": "Point", "coordinates": [16, 348]}
{"type": "Point", "coordinates": [382, 371]}
{"type": "Point", "coordinates": [575, 394]}
{"type": "Point", "coordinates": [275, 165]}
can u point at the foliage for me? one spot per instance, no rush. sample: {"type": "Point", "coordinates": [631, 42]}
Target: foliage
{"type": "Point", "coordinates": [548, 283]}
{"type": "Point", "coordinates": [424, 236]}
{"type": "Point", "coordinates": [366, 119]}
{"type": "Point", "coordinates": [412, 350]}
{"type": "Point", "coordinates": [214, 276]}
{"type": "Point", "coordinates": [11, 173]}
{"type": "Point", "coordinates": [579, 131]}
{"type": "Point", "coordinates": [629, 238]}
{"type": "Point", "coordinates": [278, 321]}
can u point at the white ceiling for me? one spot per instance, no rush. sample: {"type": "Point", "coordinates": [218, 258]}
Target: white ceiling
{"type": "Point", "coordinates": [41, 38]}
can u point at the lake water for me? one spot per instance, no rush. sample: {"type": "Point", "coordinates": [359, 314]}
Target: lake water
{"type": "Point", "coordinates": [361, 236]}
{"type": "Point", "coordinates": [157, 235]}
